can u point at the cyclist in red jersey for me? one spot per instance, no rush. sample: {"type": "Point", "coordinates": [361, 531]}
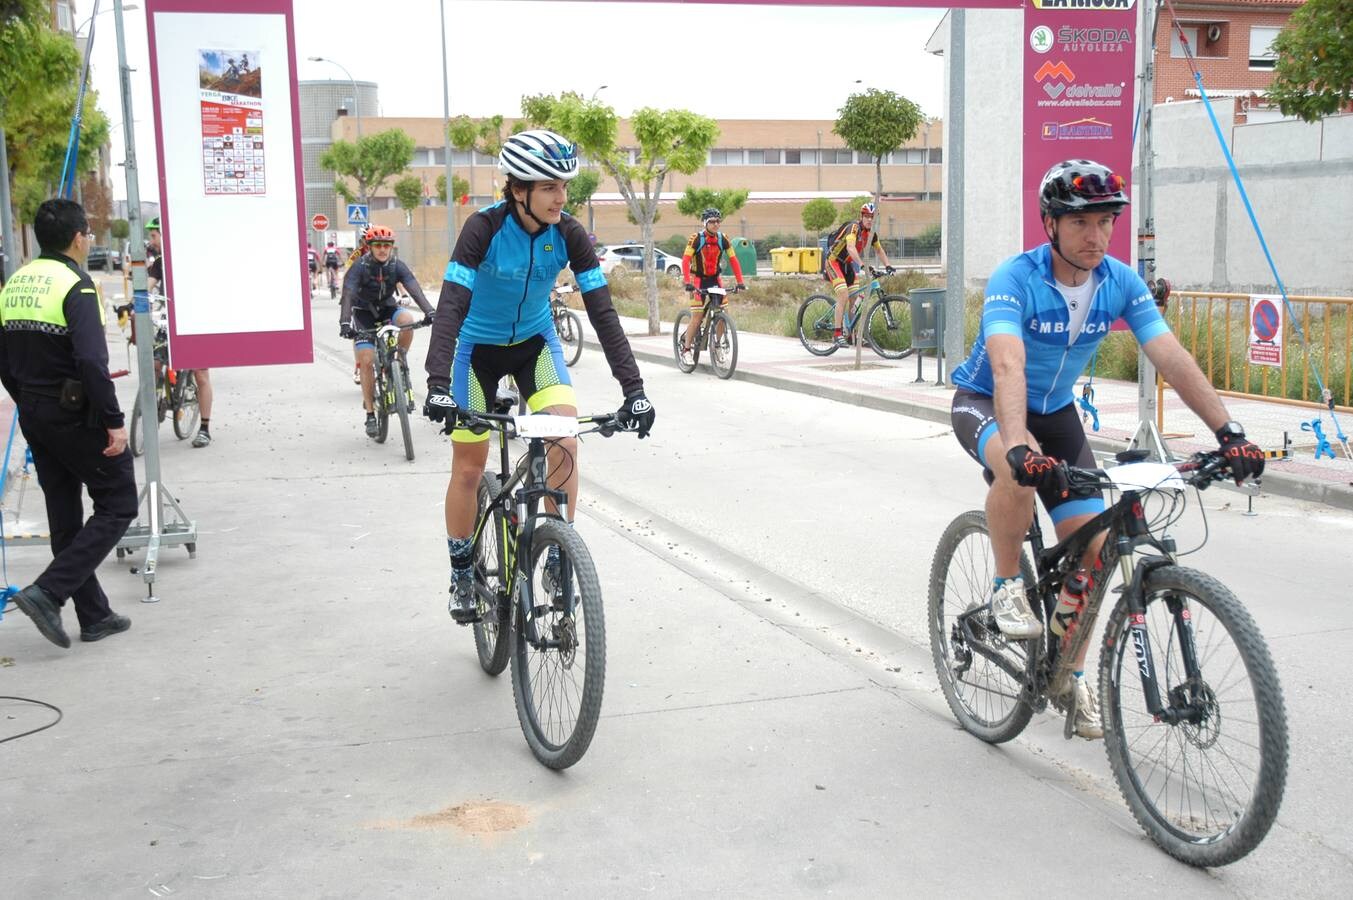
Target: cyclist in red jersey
{"type": "Point", "coordinates": [700, 263]}
{"type": "Point", "coordinates": [845, 257]}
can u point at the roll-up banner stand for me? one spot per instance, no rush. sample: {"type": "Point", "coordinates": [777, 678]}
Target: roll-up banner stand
{"type": "Point", "coordinates": [228, 135]}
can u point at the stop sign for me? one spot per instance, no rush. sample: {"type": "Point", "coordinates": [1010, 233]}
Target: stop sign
{"type": "Point", "coordinates": [319, 222]}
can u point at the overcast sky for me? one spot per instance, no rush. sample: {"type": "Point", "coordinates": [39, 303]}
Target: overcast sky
{"type": "Point", "coordinates": [752, 62]}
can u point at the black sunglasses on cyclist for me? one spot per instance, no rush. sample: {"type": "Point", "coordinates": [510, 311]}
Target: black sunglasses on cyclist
{"type": "Point", "coordinates": [1091, 185]}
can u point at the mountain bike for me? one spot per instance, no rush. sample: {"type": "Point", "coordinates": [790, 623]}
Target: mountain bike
{"type": "Point", "coordinates": [887, 320]}
{"type": "Point", "coordinates": [717, 333]}
{"type": "Point", "coordinates": [393, 391]}
{"type": "Point", "coordinates": [549, 622]}
{"type": "Point", "coordinates": [175, 389]}
{"type": "Point", "coordinates": [1197, 742]}
{"type": "Point", "coordinates": [333, 281]}
{"type": "Point", "coordinates": [567, 324]}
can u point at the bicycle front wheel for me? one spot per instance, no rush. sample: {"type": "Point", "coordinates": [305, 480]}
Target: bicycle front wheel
{"type": "Point", "coordinates": [186, 411]}
{"type": "Point", "coordinates": [685, 360]}
{"type": "Point", "coordinates": [559, 649]}
{"type": "Point", "coordinates": [570, 329]}
{"type": "Point", "coordinates": [723, 345]}
{"type": "Point", "coordinates": [816, 323]}
{"type": "Point", "coordinates": [887, 328]}
{"type": "Point", "coordinates": [399, 389]}
{"type": "Point", "coordinates": [492, 631]}
{"type": "Point", "coordinates": [1207, 787]}
{"type": "Point", "coordinates": [982, 673]}
{"type": "Point", "coordinates": [381, 401]}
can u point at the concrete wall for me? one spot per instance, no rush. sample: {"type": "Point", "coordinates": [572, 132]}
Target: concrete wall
{"type": "Point", "coordinates": [1299, 178]}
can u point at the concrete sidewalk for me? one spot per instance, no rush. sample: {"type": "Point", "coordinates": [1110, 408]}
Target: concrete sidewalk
{"type": "Point", "coordinates": [782, 362]}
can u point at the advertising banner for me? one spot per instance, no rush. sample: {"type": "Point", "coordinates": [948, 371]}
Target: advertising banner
{"type": "Point", "coordinates": [1266, 330]}
{"type": "Point", "coordinates": [1079, 69]}
{"type": "Point", "coordinates": [227, 129]}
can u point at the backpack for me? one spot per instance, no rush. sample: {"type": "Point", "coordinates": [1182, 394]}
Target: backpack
{"type": "Point", "coordinates": [831, 242]}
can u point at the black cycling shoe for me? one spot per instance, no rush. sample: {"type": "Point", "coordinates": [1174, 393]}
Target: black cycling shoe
{"type": "Point", "coordinates": [372, 426]}
{"type": "Point", "coordinates": [462, 604]}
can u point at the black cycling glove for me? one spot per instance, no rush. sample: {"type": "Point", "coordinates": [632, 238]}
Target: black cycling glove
{"type": "Point", "coordinates": [636, 414]}
{"type": "Point", "coordinates": [690, 288]}
{"type": "Point", "coordinates": [889, 269]}
{"type": "Point", "coordinates": [1243, 456]}
{"type": "Point", "coordinates": [1032, 469]}
{"type": "Point", "coordinates": [427, 318]}
{"type": "Point", "coordinates": [440, 406]}
{"type": "Point", "coordinates": [345, 332]}
{"type": "Point", "coordinates": [739, 288]}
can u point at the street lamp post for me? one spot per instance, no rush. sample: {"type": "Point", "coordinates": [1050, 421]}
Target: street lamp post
{"type": "Point", "coordinates": [597, 91]}
{"type": "Point", "coordinates": [446, 138]}
{"type": "Point", "coordinates": [356, 108]}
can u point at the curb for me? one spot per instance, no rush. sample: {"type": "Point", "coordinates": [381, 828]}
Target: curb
{"type": "Point", "coordinates": [1276, 483]}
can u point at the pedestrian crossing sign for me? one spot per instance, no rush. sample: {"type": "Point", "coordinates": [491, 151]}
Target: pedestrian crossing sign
{"type": "Point", "coordinates": [357, 214]}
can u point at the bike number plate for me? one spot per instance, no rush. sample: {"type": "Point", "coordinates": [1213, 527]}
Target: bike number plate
{"type": "Point", "coordinates": [546, 426]}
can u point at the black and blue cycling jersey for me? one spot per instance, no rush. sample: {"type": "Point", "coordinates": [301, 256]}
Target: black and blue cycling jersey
{"type": "Point", "coordinates": [497, 291]}
{"type": "Point", "coordinates": [1022, 300]}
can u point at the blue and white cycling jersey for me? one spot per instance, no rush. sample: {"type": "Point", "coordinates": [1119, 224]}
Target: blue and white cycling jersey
{"type": "Point", "coordinates": [1023, 301]}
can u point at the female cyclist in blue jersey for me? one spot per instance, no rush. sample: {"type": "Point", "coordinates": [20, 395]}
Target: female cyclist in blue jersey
{"type": "Point", "coordinates": [493, 319]}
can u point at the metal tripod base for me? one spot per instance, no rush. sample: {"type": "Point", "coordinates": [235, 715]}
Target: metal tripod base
{"type": "Point", "coordinates": [1148, 438]}
{"type": "Point", "coordinates": [168, 526]}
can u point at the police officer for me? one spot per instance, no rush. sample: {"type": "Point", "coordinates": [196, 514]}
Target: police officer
{"type": "Point", "coordinates": [54, 363]}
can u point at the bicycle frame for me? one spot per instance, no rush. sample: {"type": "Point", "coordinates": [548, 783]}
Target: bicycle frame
{"type": "Point", "coordinates": [1050, 664]}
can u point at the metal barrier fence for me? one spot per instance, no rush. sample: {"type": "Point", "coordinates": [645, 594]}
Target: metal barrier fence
{"type": "Point", "coordinates": [1215, 328]}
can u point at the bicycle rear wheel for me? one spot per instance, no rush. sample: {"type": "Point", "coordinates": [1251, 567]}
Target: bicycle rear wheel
{"type": "Point", "coordinates": [492, 631]}
{"type": "Point", "coordinates": [816, 323]}
{"type": "Point", "coordinates": [1206, 788]}
{"type": "Point", "coordinates": [887, 328]}
{"type": "Point", "coordinates": [186, 411]}
{"type": "Point", "coordinates": [134, 436]}
{"type": "Point", "coordinates": [983, 693]}
{"type": "Point", "coordinates": [559, 650]}
{"type": "Point", "coordinates": [399, 390]}
{"type": "Point", "coordinates": [723, 345]}
{"type": "Point", "coordinates": [570, 329]}
{"type": "Point", "coordinates": [685, 361]}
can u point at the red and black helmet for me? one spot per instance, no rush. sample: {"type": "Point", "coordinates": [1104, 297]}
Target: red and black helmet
{"type": "Point", "coordinates": [378, 234]}
{"type": "Point", "coordinates": [1081, 185]}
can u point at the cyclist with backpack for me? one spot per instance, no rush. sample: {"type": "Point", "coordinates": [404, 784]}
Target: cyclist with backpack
{"type": "Point", "coordinates": [700, 264]}
{"type": "Point", "coordinates": [845, 257]}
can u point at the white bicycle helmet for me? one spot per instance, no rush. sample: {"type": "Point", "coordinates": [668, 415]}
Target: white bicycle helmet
{"type": "Point", "coordinates": [539, 155]}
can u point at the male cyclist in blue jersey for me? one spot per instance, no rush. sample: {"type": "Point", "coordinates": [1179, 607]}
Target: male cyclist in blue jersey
{"type": "Point", "coordinates": [493, 319]}
{"type": "Point", "coordinates": [1045, 313]}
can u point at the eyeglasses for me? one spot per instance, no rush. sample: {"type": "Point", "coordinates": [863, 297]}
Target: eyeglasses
{"type": "Point", "coordinates": [376, 245]}
{"type": "Point", "coordinates": [1092, 185]}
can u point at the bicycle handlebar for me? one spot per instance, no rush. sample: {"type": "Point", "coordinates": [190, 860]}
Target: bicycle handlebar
{"type": "Point", "coordinates": [1199, 470]}
{"type": "Point", "coordinates": [373, 332]}
{"type": "Point", "coordinates": [604, 424]}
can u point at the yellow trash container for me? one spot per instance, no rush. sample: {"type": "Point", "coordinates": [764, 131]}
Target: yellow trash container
{"type": "Point", "coordinates": [810, 260]}
{"type": "Point", "coordinates": [784, 260]}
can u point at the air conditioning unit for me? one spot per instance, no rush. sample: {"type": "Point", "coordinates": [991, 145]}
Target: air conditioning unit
{"type": "Point", "coordinates": [1213, 33]}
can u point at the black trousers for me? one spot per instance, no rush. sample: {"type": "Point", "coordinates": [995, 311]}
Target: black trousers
{"type": "Point", "coordinates": [68, 455]}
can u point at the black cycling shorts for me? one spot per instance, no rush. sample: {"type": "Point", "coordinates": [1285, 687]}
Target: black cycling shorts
{"type": "Point", "coordinates": [1059, 435]}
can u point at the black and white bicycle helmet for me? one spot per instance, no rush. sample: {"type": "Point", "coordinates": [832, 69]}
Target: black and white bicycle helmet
{"type": "Point", "coordinates": [711, 213]}
{"type": "Point", "coordinates": [1081, 185]}
{"type": "Point", "coordinates": [539, 155]}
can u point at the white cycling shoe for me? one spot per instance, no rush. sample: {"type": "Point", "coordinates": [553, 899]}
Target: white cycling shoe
{"type": "Point", "coordinates": [1010, 608]}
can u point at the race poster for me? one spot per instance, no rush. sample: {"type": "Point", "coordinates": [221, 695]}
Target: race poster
{"type": "Point", "coordinates": [230, 84]}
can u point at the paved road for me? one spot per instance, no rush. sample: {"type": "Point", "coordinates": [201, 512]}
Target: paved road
{"type": "Point", "coordinates": [298, 716]}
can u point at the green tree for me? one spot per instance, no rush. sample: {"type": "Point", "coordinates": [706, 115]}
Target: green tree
{"type": "Point", "coordinates": [120, 228]}
{"type": "Point", "coordinates": [409, 195]}
{"type": "Point", "coordinates": [851, 210]}
{"type": "Point", "coordinates": [1314, 73]}
{"type": "Point", "coordinates": [877, 122]}
{"type": "Point", "coordinates": [927, 242]}
{"type": "Point", "coordinates": [818, 214]}
{"type": "Point", "coordinates": [483, 136]}
{"type": "Point", "coordinates": [39, 76]}
{"type": "Point", "coordinates": [368, 161]}
{"type": "Point", "coordinates": [673, 140]}
{"type": "Point", "coordinates": [459, 188]}
{"type": "Point", "coordinates": [580, 191]}
{"type": "Point", "coordinates": [696, 200]}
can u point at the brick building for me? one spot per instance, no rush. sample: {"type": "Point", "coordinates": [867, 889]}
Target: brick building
{"type": "Point", "coordinates": [1230, 41]}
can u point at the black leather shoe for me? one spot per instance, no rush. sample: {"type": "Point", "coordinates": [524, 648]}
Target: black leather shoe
{"type": "Point", "coordinates": [45, 613]}
{"type": "Point", "coordinates": [113, 624]}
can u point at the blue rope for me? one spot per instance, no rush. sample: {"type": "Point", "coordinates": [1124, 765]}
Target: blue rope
{"type": "Point", "coordinates": [1325, 392]}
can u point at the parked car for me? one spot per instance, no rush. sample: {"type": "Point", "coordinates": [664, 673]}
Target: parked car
{"type": "Point", "coordinates": [105, 258]}
{"type": "Point", "coordinates": [612, 255]}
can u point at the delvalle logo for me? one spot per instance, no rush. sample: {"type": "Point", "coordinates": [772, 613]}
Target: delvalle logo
{"type": "Point", "coordinates": [1058, 70]}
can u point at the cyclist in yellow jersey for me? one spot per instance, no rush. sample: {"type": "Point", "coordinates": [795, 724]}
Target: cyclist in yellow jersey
{"type": "Point", "coordinates": [845, 258]}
